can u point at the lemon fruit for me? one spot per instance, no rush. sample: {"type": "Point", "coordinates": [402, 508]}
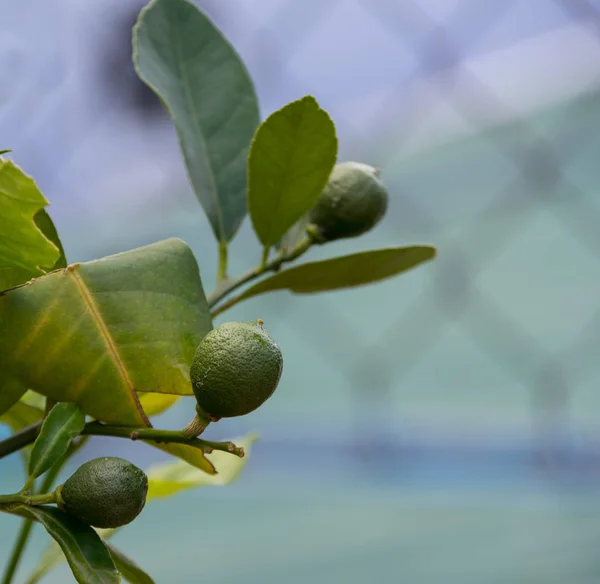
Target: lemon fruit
{"type": "Point", "coordinates": [104, 492]}
{"type": "Point", "coordinates": [235, 369]}
{"type": "Point", "coordinates": [353, 202]}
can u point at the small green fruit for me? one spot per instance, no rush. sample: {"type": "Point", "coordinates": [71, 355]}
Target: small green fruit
{"type": "Point", "coordinates": [105, 492]}
{"type": "Point", "coordinates": [353, 201]}
{"type": "Point", "coordinates": [236, 368]}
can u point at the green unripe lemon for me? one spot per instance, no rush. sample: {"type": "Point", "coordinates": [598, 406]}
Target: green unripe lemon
{"type": "Point", "coordinates": [235, 369]}
{"type": "Point", "coordinates": [105, 492]}
{"type": "Point", "coordinates": [353, 201]}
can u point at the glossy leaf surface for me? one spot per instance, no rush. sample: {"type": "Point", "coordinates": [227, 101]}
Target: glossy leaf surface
{"type": "Point", "coordinates": [99, 332]}
{"type": "Point", "coordinates": [344, 272]}
{"type": "Point", "coordinates": [85, 552]}
{"type": "Point", "coordinates": [23, 246]}
{"type": "Point", "coordinates": [61, 426]}
{"type": "Point", "coordinates": [181, 55]}
{"type": "Point", "coordinates": [291, 158]}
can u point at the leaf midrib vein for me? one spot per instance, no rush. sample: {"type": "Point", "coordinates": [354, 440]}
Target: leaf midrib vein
{"type": "Point", "coordinates": [106, 336]}
{"type": "Point", "coordinates": [189, 101]}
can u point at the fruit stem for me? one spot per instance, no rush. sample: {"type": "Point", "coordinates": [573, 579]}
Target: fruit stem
{"type": "Point", "coordinates": [222, 271]}
{"type": "Point", "coordinates": [18, 499]}
{"type": "Point", "coordinates": [273, 265]}
{"type": "Point", "coordinates": [197, 425]}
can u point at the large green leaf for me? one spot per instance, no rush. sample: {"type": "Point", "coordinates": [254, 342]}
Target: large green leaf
{"type": "Point", "coordinates": [344, 272]}
{"type": "Point", "coordinates": [200, 78]}
{"type": "Point", "coordinates": [291, 158]}
{"type": "Point", "coordinates": [23, 246]}
{"type": "Point", "coordinates": [62, 425]}
{"type": "Point", "coordinates": [167, 479]}
{"type": "Point", "coordinates": [85, 552]}
{"type": "Point", "coordinates": [127, 567]}
{"type": "Point", "coordinates": [10, 277]}
{"type": "Point", "coordinates": [99, 332]}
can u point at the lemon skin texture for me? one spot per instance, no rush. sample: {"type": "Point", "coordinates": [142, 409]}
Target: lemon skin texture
{"type": "Point", "coordinates": [105, 492]}
{"type": "Point", "coordinates": [235, 369]}
{"type": "Point", "coordinates": [353, 202]}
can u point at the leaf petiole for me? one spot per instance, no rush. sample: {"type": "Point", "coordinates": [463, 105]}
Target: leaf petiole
{"type": "Point", "coordinates": [222, 271]}
{"type": "Point", "coordinates": [273, 265]}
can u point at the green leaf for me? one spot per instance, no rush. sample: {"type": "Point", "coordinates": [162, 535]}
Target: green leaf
{"type": "Point", "coordinates": [97, 333]}
{"type": "Point", "coordinates": [344, 272]}
{"type": "Point", "coordinates": [157, 403]}
{"type": "Point", "coordinates": [21, 415]}
{"type": "Point", "coordinates": [62, 425]}
{"type": "Point", "coordinates": [165, 480]}
{"type": "Point", "coordinates": [291, 158]}
{"type": "Point", "coordinates": [47, 227]}
{"type": "Point", "coordinates": [32, 398]}
{"type": "Point", "coordinates": [11, 277]}
{"type": "Point", "coordinates": [85, 552]}
{"type": "Point", "coordinates": [23, 246]}
{"type": "Point", "coordinates": [4, 152]}
{"type": "Point", "coordinates": [127, 567]}
{"type": "Point", "coordinates": [180, 54]}
{"type": "Point", "coordinates": [190, 454]}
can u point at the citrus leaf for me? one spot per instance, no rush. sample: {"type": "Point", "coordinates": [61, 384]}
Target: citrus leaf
{"type": "Point", "coordinates": [85, 552]}
{"type": "Point", "coordinates": [127, 567]}
{"type": "Point", "coordinates": [62, 425]}
{"type": "Point", "coordinates": [344, 272]}
{"type": "Point", "coordinates": [36, 400]}
{"type": "Point", "coordinates": [22, 244]}
{"type": "Point", "coordinates": [165, 480]}
{"type": "Point", "coordinates": [157, 403]}
{"type": "Point", "coordinates": [10, 277]}
{"type": "Point", "coordinates": [180, 54]}
{"type": "Point", "coordinates": [190, 454]}
{"type": "Point", "coordinates": [97, 333]}
{"type": "Point", "coordinates": [21, 415]}
{"type": "Point", "coordinates": [47, 227]}
{"type": "Point", "coordinates": [291, 158]}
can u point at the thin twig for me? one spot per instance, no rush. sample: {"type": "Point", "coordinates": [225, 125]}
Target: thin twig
{"type": "Point", "coordinates": [282, 257]}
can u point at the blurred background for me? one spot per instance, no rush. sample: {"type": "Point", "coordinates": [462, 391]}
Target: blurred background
{"type": "Point", "coordinates": [442, 427]}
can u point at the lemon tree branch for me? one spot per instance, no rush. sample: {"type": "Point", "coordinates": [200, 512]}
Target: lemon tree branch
{"type": "Point", "coordinates": [29, 434]}
{"type": "Point", "coordinates": [282, 257]}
